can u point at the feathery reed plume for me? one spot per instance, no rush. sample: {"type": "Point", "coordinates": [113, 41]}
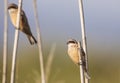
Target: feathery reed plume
{"type": "Point", "coordinates": [49, 62]}
{"type": "Point", "coordinates": [5, 46]}
{"type": "Point", "coordinates": [39, 42]}
{"type": "Point", "coordinates": [12, 80]}
{"type": "Point", "coordinates": [81, 12]}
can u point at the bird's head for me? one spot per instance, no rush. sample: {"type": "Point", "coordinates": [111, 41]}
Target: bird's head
{"type": "Point", "coordinates": [12, 7]}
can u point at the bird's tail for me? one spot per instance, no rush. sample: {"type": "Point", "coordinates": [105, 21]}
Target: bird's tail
{"type": "Point", "coordinates": [86, 70]}
{"type": "Point", "coordinates": [87, 75]}
{"type": "Point", "coordinates": [32, 40]}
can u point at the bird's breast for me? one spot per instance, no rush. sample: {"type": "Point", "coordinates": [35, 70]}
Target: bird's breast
{"type": "Point", "coordinates": [13, 17]}
{"type": "Point", "coordinates": [73, 53]}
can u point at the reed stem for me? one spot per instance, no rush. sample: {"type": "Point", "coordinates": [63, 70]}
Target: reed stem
{"type": "Point", "coordinates": [15, 48]}
{"type": "Point", "coordinates": [39, 42]}
{"type": "Point", "coordinates": [84, 41]}
{"type": "Point", "coordinates": [5, 46]}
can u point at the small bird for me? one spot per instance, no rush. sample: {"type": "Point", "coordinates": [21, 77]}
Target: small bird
{"type": "Point", "coordinates": [24, 25]}
{"type": "Point", "coordinates": [76, 53]}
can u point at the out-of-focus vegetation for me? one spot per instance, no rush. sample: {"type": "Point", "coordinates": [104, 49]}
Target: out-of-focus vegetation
{"type": "Point", "coordinates": [102, 69]}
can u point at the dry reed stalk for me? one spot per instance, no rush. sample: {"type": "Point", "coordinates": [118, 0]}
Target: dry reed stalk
{"type": "Point", "coordinates": [5, 46]}
{"type": "Point", "coordinates": [81, 65]}
{"type": "Point", "coordinates": [12, 80]}
{"type": "Point", "coordinates": [84, 41]}
{"type": "Point", "coordinates": [39, 42]}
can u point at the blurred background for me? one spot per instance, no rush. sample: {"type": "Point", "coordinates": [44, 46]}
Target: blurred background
{"type": "Point", "coordinates": [59, 21]}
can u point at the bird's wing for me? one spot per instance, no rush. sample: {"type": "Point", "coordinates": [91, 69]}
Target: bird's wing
{"type": "Point", "coordinates": [25, 23]}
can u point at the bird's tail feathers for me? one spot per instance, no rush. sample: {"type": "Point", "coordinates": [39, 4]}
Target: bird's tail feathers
{"type": "Point", "coordinates": [87, 75]}
{"type": "Point", "coordinates": [32, 40]}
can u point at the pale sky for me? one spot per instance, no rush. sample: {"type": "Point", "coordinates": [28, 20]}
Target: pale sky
{"type": "Point", "coordinates": [59, 21]}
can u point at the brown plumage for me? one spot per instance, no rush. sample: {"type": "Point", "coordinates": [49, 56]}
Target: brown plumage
{"type": "Point", "coordinates": [24, 25]}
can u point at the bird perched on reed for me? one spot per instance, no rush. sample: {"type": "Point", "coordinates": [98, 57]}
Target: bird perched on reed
{"type": "Point", "coordinates": [76, 53]}
{"type": "Point", "coordinates": [24, 25]}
